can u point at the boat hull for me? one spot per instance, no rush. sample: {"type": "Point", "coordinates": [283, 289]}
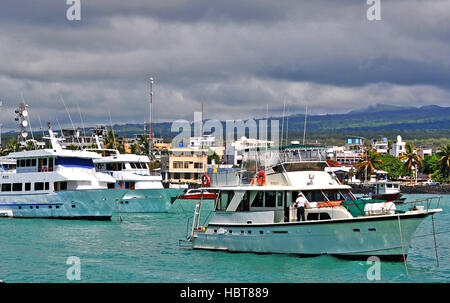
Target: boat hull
{"type": "Point", "coordinates": [149, 200]}
{"type": "Point", "coordinates": [356, 238]}
{"type": "Point", "coordinates": [387, 197]}
{"type": "Point", "coordinates": [71, 204]}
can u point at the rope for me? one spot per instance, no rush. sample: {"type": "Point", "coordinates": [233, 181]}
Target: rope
{"type": "Point", "coordinates": [401, 241]}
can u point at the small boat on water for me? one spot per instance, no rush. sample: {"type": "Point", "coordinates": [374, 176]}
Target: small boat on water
{"type": "Point", "coordinates": [388, 191]}
{"type": "Point", "coordinates": [255, 212]}
{"type": "Point", "coordinates": [145, 192]}
{"type": "Point", "coordinates": [56, 183]}
{"type": "Point", "coordinates": [196, 194]}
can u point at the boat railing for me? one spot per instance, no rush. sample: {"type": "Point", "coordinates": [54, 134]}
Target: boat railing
{"type": "Point", "coordinates": [425, 204]}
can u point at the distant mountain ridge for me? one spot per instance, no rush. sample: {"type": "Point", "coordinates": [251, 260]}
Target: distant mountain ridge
{"type": "Point", "coordinates": [375, 117]}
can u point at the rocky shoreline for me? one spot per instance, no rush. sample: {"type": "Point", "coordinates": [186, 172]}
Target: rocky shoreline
{"type": "Point", "coordinates": [405, 189]}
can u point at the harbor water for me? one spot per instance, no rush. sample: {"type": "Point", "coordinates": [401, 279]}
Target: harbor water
{"type": "Point", "coordinates": [144, 248]}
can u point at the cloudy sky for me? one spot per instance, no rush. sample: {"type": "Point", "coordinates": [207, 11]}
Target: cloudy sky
{"type": "Point", "coordinates": [236, 55]}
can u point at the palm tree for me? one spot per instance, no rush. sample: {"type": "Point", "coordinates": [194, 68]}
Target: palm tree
{"type": "Point", "coordinates": [444, 161]}
{"type": "Point", "coordinates": [13, 146]}
{"type": "Point", "coordinates": [367, 161]}
{"type": "Point", "coordinates": [111, 141]}
{"type": "Point", "coordinates": [411, 158]}
{"type": "Point", "coordinates": [144, 144]}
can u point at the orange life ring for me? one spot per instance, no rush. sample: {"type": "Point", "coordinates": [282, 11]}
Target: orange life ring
{"type": "Point", "coordinates": [205, 180]}
{"type": "Point", "coordinates": [261, 177]}
{"type": "Point", "coordinates": [44, 169]}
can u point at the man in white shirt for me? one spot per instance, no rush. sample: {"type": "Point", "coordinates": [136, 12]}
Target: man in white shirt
{"type": "Point", "coordinates": [301, 203]}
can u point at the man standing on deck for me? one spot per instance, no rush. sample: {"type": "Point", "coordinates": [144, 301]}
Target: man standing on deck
{"type": "Point", "coordinates": [301, 203]}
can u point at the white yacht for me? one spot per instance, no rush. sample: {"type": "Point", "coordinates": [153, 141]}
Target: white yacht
{"type": "Point", "coordinates": [255, 212]}
{"type": "Point", "coordinates": [145, 192]}
{"type": "Point", "coordinates": [56, 183]}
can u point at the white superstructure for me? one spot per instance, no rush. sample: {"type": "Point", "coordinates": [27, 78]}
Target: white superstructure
{"type": "Point", "coordinates": [145, 191]}
{"type": "Point", "coordinates": [56, 183]}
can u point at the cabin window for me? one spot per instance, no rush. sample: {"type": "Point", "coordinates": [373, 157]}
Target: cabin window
{"type": "Point", "coordinates": [279, 198]}
{"type": "Point", "coordinates": [259, 200]}
{"type": "Point", "coordinates": [39, 186]}
{"type": "Point", "coordinates": [334, 195]}
{"type": "Point", "coordinates": [47, 186]}
{"type": "Point", "coordinates": [60, 186]}
{"type": "Point", "coordinates": [133, 165]}
{"type": "Point", "coordinates": [224, 199]}
{"type": "Point", "coordinates": [6, 187]}
{"type": "Point", "coordinates": [28, 162]}
{"type": "Point", "coordinates": [314, 195]}
{"type": "Point", "coordinates": [27, 186]}
{"type": "Point", "coordinates": [187, 176]}
{"type": "Point", "coordinates": [270, 199]}
{"type": "Point", "coordinates": [33, 162]}
{"type": "Point", "coordinates": [17, 187]}
{"type": "Point", "coordinates": [245, 202]}
{"type": "Point", "coordinates": [44, 161]}
{"type": "Point", "coordinates": [346, 194]}
{"type": "Point", "coordinates": [198, 165]}
{"type": "Point", "coordinates": [144, 165]}
{"type": "Point", "coordinates": [73, 162]}
{"type": "Point", "coordinates": [22, 163]}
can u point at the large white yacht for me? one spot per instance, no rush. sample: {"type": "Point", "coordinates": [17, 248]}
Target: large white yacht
{"type": "Point", "coordinates": [145, 192]}
{"type": "Point", "coordinates": [56, 183]}
{"type": "Point", "coordinates": [255, 211]}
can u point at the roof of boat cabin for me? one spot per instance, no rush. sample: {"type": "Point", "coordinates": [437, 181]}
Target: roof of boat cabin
{"type": "Point", "coordinates": [53, 152]}
{"type": "Point", "coordinates": [278, 188]}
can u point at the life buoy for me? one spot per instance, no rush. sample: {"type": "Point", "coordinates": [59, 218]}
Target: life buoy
{"type": "Point", "coordinates": [205, 180]}
{"type": "Point", "coordinates": [44, 169]}
{"type": "Point", "coordinates": [261, 177]}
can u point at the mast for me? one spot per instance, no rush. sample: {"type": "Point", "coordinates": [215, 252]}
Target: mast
{"type": "Point", "coordinates": [150, 126]}
{"type": "Point", "coordinates": [304, 127]}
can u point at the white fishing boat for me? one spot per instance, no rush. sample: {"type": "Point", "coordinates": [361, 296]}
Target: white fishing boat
{"type": "Point", "coordinates": [255, 212]}
{"type": "Point", "coordinates": [56, 183]}
{"type": "Point", "coordinates": [388, 191]}
{"type": "Point", "coordinates": [145, 192]}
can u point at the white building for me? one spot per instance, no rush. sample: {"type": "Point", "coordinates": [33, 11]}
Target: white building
{"type": "Point", "coordinates": [398, 147]}
{"type": "Point", "coordinates": [202, 142]}
{"type": "Point", "coordinates": [380, 147]}
{"type": "Point", "coordinates": [423, 152]}
{"type": "Point", "coordinates": [239, 147]}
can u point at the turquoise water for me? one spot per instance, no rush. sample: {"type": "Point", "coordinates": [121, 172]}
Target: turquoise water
{"type": "Point", "coordinates": [144, 248]}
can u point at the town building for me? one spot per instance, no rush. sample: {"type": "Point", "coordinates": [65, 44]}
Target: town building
{"type": "Point", "coordinates": [183, 165]}
{"type": "Point", "coordinates": [381, 146]}
{"type": "Point", "coordinates": [398, 147]}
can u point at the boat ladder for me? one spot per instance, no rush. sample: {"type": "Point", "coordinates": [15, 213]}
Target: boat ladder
{"type": "Point", "coordinates": [195, 224]}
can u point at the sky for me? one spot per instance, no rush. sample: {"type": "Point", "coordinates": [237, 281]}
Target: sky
{"type": "Point", "coordinates": [238, 56]}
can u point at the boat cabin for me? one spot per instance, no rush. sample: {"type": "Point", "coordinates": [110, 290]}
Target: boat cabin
{"type": "Point", "coordinates": [275, 206]}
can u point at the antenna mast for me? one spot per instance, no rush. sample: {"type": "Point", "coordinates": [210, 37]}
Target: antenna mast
{"type": "Point", "coordinates": [150, 126]}
{"type": "Point", "coordinates": [304, 127]}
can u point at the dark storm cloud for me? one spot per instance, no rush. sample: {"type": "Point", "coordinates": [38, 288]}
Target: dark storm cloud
{"type": "Point", "coordinates": [236, 55]}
